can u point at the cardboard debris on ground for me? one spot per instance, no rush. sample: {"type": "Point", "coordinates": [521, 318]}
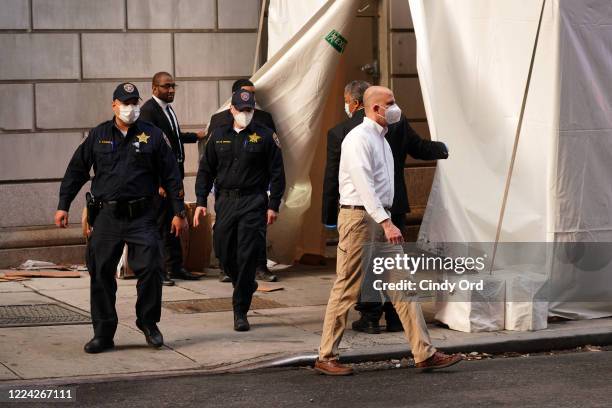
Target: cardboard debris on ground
{"type": "Point", "coordinates": [43, 274]}
{"type": "Point", "coordinates": [13, 278]}
{"type": "Point", "coordinates": [31, 265]}
{"type": "Point", "coordinates": [268, 288]}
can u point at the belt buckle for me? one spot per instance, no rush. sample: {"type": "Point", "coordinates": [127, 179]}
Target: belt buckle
{"type": "Point", "coordinates": [121, 208]}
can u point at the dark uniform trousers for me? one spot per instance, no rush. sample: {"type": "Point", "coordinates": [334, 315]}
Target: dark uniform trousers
{"type": "Point", "coordinates": [144, 257]}
{"type": "Point", "coordinates": [225, 118]}
{"type": "Point", "coordinates": [171, 245]}
{"type": "Point", "coordinates": [239, 236]}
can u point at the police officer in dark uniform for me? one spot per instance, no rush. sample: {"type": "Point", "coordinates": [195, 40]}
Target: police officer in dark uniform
{"type": "Point", "coordinates": [264, 118]}
{"type": "Point", "coordinates": [241, 160]}
{"type": "Point", "coordinates": [130, 158]}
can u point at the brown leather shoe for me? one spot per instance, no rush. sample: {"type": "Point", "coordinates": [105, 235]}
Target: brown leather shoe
{"type": "Point", "coordinates": [439, 360]}
{"type": "Point", "coordinates": [332, 367]}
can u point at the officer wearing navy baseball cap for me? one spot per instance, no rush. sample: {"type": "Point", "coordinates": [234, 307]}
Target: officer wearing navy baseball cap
{"type": "Point", "coordinates": [126, 91]}
{"type": "Point", "coordinates": [241, 159]}
{"type": "Point", "coordinates": [264, 118]}
{"type": "Point", "coordinates": [130, 158]}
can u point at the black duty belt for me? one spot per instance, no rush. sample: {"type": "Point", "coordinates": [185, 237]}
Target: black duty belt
{"type": "Point", "coordinates": [129, 208]}
{"type": "Point", "coordinates": [240, 192]}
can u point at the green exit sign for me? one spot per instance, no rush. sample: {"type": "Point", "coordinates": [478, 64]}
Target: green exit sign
{"type": "Point", "coordinates": [336, 40]}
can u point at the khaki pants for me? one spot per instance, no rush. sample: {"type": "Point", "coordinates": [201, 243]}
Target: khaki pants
{"type": "Point", "coordinates": [356, 229]}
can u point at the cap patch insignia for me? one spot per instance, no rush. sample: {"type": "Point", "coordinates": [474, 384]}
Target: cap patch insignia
{"type": "Point", "coordinates": [244, 96]}
{"type": "Point", "coordinates": [129, 88]}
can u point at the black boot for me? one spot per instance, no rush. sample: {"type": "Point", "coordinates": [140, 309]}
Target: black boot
{"type": "Point", "coordinates": [223, 277]}
{"type": "Point", "coordinates": [166, 281]}
{"type": "Point", "coordinates": [98, 345]}
{"type": "Point", "coordinates": [262, 273]}
{"type": "Point", "coordinates": [394, 324]}
{"type": "Point", "coordinates": [152, 334]}
{"type": "Point", "coordinates": [240, 322]}
{"type": "Point", "coordinates": [366, 325]}
{"type": "Point", "coordinates": [184, 274]}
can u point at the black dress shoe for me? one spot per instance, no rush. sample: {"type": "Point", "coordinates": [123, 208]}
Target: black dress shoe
{"type": "Point", "coordinates": [166, 281]}
{"type": "Point", "coordinates": [152, 334]}
{"type": "Point", "coordinates": [183, 274]}
{"type": "Point", "coordinates": [366, 326]}
{"type": "Point", "coordinates": [394, 324]}
{"type": "Point", "coordinates": [241, 323]}
{"type": "Point", "coordinates": [394, 327]}
{"type": "Point", "coordinates": [262, 273]}
{"type": "Point", "coordinates": [98, 345]}
{"type": "Point", "coordinates": [223, 277]}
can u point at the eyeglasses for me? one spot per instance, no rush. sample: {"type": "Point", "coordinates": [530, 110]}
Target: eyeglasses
{"type": "Point", "coordinates": [168, 86]}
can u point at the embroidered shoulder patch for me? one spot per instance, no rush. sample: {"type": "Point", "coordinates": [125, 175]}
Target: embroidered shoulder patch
{"type": "Point", "coordinates": [276, 140]}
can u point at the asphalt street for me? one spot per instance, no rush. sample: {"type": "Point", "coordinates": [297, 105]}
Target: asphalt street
{"type": "Point", "coordinates": [562, 380]}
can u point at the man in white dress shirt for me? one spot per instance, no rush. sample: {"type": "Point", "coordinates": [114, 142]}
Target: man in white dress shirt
{"type": "Point", "coordinates": [366, 194]}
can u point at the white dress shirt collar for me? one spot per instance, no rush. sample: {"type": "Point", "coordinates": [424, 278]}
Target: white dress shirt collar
{"type": "Point", "coordinates": [161, 103]}
{"type": "Point", "coordinates": [382, 131]}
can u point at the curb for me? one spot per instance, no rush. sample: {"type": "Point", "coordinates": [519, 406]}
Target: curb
{"type": "Point", "coordinates": [541, 343]}
{"type": "Point", "coordinates": [508, 346]}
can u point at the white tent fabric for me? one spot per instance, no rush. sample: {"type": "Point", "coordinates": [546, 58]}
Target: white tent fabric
{"type": "Point", "coordinates": [287, 17]}
{"type": "Point", "coordinates": [473, 58]}
{"type": "Point", "coordinates": [293, 86]}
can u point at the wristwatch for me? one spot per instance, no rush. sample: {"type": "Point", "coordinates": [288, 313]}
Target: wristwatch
{"type": "Point", "coordinates": [182, 214]}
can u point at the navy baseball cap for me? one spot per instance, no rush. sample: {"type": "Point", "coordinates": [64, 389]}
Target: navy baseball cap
{"type": "Point", "coordinates": [126, 91]}
{"type": "Point", "coordinates": [243, 99]}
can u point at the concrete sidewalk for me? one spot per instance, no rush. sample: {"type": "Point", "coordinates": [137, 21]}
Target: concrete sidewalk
{"type": "Point", "coordinates": [287, 334]}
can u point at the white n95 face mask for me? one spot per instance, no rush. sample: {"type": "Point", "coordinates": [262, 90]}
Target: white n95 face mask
{"type": "Point", "coordinates": [393, 114]}
{"type": "Point", "coordinates": [347, 110]}
{"type": "Point", "coordinates": [129, 113]}
{"type": "Point", "coordinates": [243, 118]}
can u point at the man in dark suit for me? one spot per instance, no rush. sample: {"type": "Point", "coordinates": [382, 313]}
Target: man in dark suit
{"type": "Point", "coordinates": [260, 117]}
{"type": "Point", "coordinates": [403, 140]}
{"type": "Point", "coordinates": [159, 112]}
{"type": "Point", "coordinates": [353, 106]}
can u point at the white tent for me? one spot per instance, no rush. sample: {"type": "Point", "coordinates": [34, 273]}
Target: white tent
{"type": "Point", "coordinates": [293, 86]}
{"type": "Point", "coordinates": [473, 63]}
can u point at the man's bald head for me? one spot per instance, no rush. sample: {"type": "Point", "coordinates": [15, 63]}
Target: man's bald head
{"type": "Point", "coordinates": [376, 95]}
{"type": "Point", "coordinates": [376, 100]}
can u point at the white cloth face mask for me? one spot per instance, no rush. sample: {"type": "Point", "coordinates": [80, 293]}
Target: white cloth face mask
{"type": "Point", "coordinates": [347, 110]}
{"type": "Point", "coordinates": [129, 113]}
{"type": "Point", "coordinates": [393, 114]}
{"type": "Point", "coordinates": [243, 118]}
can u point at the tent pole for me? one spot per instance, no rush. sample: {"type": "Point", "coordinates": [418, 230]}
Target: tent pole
{"type": "Point", "coordinates": [256, 62]}
{"type": "Point", "coordinates": [516, 140]}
